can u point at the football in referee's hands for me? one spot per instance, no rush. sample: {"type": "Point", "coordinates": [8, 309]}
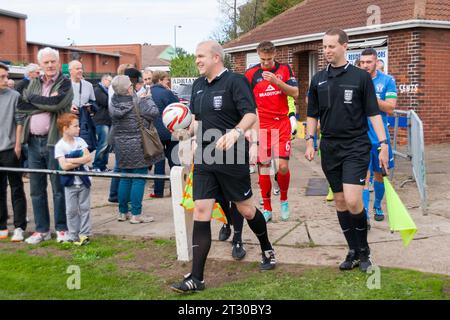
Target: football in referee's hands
{"type": "Point", "coordinates": [176, 116]}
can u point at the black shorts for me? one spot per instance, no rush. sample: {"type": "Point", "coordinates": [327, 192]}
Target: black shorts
{"type": "Point", "coordinates": [218, 181]}
{"type": "Point", "coordinates": [345, 161]}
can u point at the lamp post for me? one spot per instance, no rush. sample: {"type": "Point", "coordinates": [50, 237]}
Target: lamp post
{"type": "Point", "coordinates": [175, 38]}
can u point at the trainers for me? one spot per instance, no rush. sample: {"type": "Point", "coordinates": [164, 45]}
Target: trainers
{"type": "Point", "coordinates": [62, 236]}
{"type": "Point", "coordinates": [84, 240]}
{"type": "Point", "coordinates": [38, 237]}
{"type": "Point", "coordinates": [154, 195]}
{"type": "Point", "coordinates": [189, 284]}
{"type": "Point", "coordinates": [224, 232]}
{"type": "Point", "coordinates": [123, 217]}
{"type": "Point", "coordinates": [18, 235]}
{"type": "Point", "coordinates": [268, 261]}
{"type": "Point", "coordinates": [284, 210]}
{"type": "Point", "coordinates": [136, 219]}
{"type": "Point", "coordinates": [4, 234]}
{"type": "Point", "coordinates": [238, 251]}
{"type": "Point", "coordinates": [276, 189]}
{"type": "Point", "coordinates": [378, 214]}
{"type": "Point", "coordinates": [330, 195]}
{"type": "Point", "coordinates": [351, 261]}
{"type": "Point", "coordinates": [267, 215]}
{"type": "Point", "coordinates": [365, 261]}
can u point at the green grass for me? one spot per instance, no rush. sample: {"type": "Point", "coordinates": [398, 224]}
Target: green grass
{"type": "Point", "coordinates": [110, 269]}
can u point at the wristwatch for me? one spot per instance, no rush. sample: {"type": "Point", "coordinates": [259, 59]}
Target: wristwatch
{"type": "Point", "coordinates": [383, 141]}
{"type": "Point", "coordinates": [308, 137]}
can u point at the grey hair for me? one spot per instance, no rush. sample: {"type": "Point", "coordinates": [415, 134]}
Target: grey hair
{"type": "Point", "coordinates": [45, 51]}
{"type": "Point", "coordinates": [30, 68]}
{"type": "Point", "coordinates": [71, 63]}
{"type": "Point", "coordinates": [215, 48]}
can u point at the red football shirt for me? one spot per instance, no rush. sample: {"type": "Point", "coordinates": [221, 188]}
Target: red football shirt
{"type": "Point", "coordinates": [270, 100]}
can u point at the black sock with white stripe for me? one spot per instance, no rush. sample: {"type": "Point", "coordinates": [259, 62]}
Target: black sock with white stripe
{"type": "Point", "coordinates": [259, 228]}
{"type": "Point", "coordinates": [359, 222]}
{"type": "Point", "coordinates": [201, 243]}
{"type": "Point", "coordinates": [345, 220]}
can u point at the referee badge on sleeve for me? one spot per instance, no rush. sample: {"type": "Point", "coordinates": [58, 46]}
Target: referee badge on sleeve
{"type": "Point", "coordinates": [348, 96]}
{"type": "Point", "coordinates": [217, 103]}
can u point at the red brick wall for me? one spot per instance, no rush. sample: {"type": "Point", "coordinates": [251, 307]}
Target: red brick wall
{"type": "Point", "coordinates": [434, 92]}
{"type": "Point", "coordinates": [130, 53]}
{"type": "Point", "coordinates": [12, 39]}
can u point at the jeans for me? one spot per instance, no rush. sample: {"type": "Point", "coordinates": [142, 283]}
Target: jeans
{"type": "Point", "coordinates": [131, 190]}
{"type": "Point", "coordinates": [102, 152]}
{"type": "Point", "coordinates": [19, 203]}
{"type": "Point", "coordinates": [114, 188]}
{"type": "Point", "coordinates": [40, 156]}
{"type": "Point", "coordinates": [160, 167]}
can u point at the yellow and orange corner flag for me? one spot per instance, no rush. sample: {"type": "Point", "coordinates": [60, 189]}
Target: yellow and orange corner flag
{"type": "Point", "coordinates": [399, 218]}
{"type": "Point", "coordinates": [188, 202]}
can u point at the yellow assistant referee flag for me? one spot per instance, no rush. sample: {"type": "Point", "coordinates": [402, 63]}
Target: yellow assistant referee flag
{"type": "Point", "coordinates": [399, 218]}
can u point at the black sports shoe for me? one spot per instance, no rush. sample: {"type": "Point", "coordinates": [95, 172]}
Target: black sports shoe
{"type": "Point", "coordinates": [268, 261]}
{"type": "Point", "coordinates": [225, 232]}
{"type": "Point", "coordinates": [364, 257]}
{"type": "Point", "coordinates": [238, 252]}
{"type": "Point", "coordinates": [351, 261]}
{"type": "Point", "coordinates": [189, 284]}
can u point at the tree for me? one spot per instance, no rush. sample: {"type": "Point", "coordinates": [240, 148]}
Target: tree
{"type": "Point", "coordinates": [239, 17]}
{"type": "Point", "coordinates": [183, 66]}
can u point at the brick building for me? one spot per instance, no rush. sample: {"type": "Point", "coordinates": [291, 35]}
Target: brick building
{"type": "Point", "coordinates": [15, 50]}
{"type": "Point", "coordinates": [129, 53]}
{"type": "Point", "coordinates": [412, 37]}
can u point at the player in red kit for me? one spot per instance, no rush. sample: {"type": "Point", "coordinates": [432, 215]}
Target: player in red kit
{"type": "Point", "coordinates": [272, 83]}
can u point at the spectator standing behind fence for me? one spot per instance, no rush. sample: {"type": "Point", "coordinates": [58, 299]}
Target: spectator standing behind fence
{"type": "Point", "coordinates": [72, 153]}
{"type": "Point", "coordinates": [83, 103]}
{"type": "Point", "coordinates": [102, 122]}
{"type": "Point", "coordinates": [10, 149]}
{"type": "Point", "coordinates": [31, 72]}
{"type": "Point", "coordinates": [113, 189]}
{"type": "Point", "coordinates": [44, 99]}
{"type": "Point", "coordinates": [127, 143]}
{"type": "Point", "coordinates": [163, 97]}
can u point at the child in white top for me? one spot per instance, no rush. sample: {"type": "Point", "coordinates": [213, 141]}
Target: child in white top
{"type": "Point", "coordinates": [72, 154]}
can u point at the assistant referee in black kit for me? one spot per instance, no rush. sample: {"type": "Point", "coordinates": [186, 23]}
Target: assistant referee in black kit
{"type": "Point", "coordinates": [343, 96]}
{"type": "Point", "coordinates": [224, 109]}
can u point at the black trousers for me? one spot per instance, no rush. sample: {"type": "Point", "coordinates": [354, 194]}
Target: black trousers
{"type": "Point", "coordinates": [8, 159]}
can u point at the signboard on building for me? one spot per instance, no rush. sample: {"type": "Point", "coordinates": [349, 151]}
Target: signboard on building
{"type": "Point", "coordinates": [176, 82]}
{"type": "Point", "coordinates": [382, 53]}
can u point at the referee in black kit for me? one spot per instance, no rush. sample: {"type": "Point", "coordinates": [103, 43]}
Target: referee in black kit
{"type": "Point", "coordinates": [343, 97]}
{"type": "Point", "coordinates": [224, 109]}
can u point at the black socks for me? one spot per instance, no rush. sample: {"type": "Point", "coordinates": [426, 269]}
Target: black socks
{"type": "Point", "coordinates": [201, 243]}
{"type": "Point", "coordinates": [359, 222]}
{"type": "Point", "coordinates": [345, 220]}
{"type": "Point", "coordinates": [238, 223]}
{"type": "Point", "coordinates": [259, 228]}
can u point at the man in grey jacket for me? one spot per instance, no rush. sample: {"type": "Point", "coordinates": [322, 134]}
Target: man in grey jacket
{"type": "Point", "coordinates": [10, 149]}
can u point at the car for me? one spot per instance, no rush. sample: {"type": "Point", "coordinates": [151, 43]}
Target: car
{"type": "Point", "coordinates": [183, 93]}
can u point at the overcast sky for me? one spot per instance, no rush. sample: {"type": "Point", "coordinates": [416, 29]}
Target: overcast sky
{"type": "Point", "coordinates": [118, 21]}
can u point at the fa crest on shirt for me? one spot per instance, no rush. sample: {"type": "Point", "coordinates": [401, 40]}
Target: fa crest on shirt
{"type": "Point", "coordinates": [348, 96]}
{"type": "Point", "coordinates": [217, 102]}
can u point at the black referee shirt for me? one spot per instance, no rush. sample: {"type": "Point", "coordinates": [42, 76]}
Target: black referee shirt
{"type": "Point", "coordinates": [342, 98]}
{"type": "Point", "coordinates": [220, 106]}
